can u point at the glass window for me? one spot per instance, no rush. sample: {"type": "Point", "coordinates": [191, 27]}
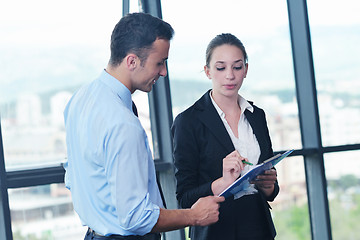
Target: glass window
{"type": "Point", "coordinates": [48, 50]}
{"type": "Point", "coordinates": [335, 36]}
{"type": "Point", "coordinates": [141, 100]}
{"type": "Point", "coordinates": [342, 175]}
{"type": "Point", "coordinates": [290, 208]}
{"type": "Point", "coordinates": [47, 213]}
{"type": "Point", "coordinates": [264, 32]}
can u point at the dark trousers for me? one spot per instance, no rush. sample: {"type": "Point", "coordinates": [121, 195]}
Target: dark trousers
{"type": "Point", "coordinates": [91, 235]}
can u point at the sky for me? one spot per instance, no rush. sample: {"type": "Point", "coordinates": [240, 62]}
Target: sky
{"type": "Point", "coordinates": [66, 42]}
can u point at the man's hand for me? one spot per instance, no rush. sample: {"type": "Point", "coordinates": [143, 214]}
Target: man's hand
{"type": "Point", "coordinates": [206, 210]}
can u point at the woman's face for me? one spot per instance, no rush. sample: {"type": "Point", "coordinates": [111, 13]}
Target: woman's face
{"type": "Point", "coordinates": [227, 70]}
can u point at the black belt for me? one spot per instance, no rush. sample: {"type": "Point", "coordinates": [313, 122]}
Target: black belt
{"type": "Point", "coordinates": [149, 236]}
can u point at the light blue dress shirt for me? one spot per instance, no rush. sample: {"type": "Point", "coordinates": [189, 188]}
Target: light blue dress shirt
{"type": "Point", "coordinates": [109, 170]}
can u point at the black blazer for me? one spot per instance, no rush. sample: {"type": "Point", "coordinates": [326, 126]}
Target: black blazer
{"type": "Point", "coordinates": [200, 143]}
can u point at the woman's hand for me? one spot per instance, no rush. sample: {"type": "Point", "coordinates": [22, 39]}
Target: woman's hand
{"type": "Point", "coordinates": [266, 181]}
{"type": "Point", "coordinates": [232, 167]}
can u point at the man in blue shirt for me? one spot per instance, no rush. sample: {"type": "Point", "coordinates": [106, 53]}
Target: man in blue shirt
{"type": "Point", "coordinates": [110, 171]}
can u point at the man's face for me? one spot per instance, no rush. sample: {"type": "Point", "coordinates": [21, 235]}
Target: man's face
{"type": "Point", "coordinates": [147, 74]}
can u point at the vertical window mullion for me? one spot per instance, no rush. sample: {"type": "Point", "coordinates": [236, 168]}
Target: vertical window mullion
{"type": "Point", "coordinates": [309, 119]}
{"type": "Point", "coordinates": [5, 220]}
{"type": "Point", "coordinates": [161, 121]}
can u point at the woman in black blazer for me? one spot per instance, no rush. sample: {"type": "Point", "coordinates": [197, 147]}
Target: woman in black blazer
{"type": "Point", "coordinates": [213, 136]}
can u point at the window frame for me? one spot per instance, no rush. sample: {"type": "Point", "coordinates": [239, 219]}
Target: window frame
{"type": "Point", "coordinates": [161, 120]}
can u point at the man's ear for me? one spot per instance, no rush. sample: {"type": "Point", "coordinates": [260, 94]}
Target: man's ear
{"type": "Point", "coordinates": [131, 61]}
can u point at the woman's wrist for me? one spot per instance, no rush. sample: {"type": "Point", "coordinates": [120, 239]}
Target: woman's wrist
{"type": "Point", "coordinates": [220, 185]}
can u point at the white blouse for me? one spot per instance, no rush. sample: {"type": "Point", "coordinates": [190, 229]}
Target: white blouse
{"type": "Point", "coordinates": [246, 143]}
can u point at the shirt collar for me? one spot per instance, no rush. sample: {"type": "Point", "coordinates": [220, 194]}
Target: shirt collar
{"type": "Point", "coordinates": [117, 87]}
{"type": "Point", "coordinates": [241, 101]}
{"type": "Point", "coordinates": [244, 104]}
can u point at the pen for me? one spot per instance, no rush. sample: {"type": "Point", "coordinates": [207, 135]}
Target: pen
{"type": "Point", "coordinates": [246, 162]}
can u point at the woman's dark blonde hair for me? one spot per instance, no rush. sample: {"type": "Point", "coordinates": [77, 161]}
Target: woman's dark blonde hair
{"type": "Point", "coordinates": [221, 39]}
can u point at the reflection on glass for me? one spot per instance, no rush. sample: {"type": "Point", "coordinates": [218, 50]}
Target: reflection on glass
{"type": "Point", "coordinates": [48, 50]}
{"type": "Point", "coordinates": [335, 47]}
{"type": "Point", "coordinates": [343, 174]}
{"type": "Point", "coordinates": [44, 212]}
{"type": "Point", "coordinates": [265, 33]}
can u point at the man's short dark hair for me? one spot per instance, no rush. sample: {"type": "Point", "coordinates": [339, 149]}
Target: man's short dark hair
{"type": "Point", "coordinates": [135, 33]}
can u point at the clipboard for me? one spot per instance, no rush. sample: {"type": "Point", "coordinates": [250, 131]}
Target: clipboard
{"type": "Point", "coordinates": [244, 181]}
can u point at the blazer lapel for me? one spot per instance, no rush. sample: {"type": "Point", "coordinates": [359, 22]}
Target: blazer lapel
{"type": "Point", "coordinates": [211, 119]}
